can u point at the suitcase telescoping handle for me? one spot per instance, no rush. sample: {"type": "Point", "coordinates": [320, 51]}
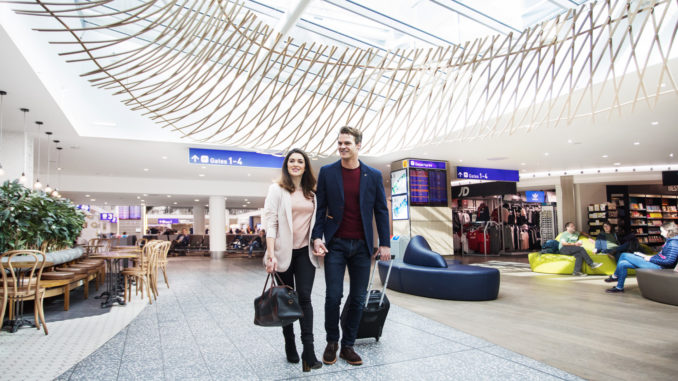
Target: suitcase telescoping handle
{"type": "Point", "coordinates": [383, 289]}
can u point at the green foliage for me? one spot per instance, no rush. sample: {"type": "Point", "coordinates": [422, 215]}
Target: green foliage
{"type": "Point", "coordinates": [35, 220]}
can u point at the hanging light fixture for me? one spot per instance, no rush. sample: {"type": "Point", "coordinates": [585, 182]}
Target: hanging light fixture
{"type": "Point", "coordinates": [48, 189]}
{"type": "Point", "coordinates": [56, 189]}
{"type": "Point", "coordinates": [2, 96]}
{"type": "Point", "coordinates": [37, 184]}
{"type": "Point", "coordinates": [23, 179]}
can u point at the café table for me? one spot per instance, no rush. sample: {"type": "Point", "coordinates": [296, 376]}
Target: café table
{"type": "Point", "coordinates": [113, 283]}
{"type": "Point", "coordinates": [16, 320]}
{"type": "Point", "coordinates": [91, 249]}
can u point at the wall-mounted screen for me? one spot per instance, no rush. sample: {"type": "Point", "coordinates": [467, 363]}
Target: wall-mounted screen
{"type": "Point", "coordinates": [399, 182]}
{"type": "Point", "coordinates": [135, 212]}
{"type": "Point", "coordinates": [399, 207]}
{"type": "Point", "coordinates": [419, 187]}
{"type": "Point", "coordinates": [428, 187]}
{"type": "Point", "coordinates": [534, 196]}
{"type": "Point", "coordinates": [123, 212]}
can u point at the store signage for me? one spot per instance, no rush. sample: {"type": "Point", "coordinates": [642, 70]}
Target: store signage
{"type": "Point", "coordinates": [83, 207]}
{"type": "Point", "coordinates": [472, 173]}
{"type": "Point", "coordinates": [427, 164]}
{"type": "Point", "coordinates": [165, 221]}
{"type": "Point", "coordinates": [233, 158]}
{"type": "Point", "coordinates": [114, 220]}
{"type": "Point", "coordinates": [670, 177]}
{"type": "Point", "coordinates": [106, 216]}
{"type": "Point", "coordinates": [484, 189]}
{"type": "Point", "coordinates": [534, 196]}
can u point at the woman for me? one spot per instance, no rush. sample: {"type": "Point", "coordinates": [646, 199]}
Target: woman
{"type": "Point", "coordinates": [607, 241]}
{"type": "Point", "coordinates": [289, 213]}
{"type": "Point", "coordinates": [666, 258]}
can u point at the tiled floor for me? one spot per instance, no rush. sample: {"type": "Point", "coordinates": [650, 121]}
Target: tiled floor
{"type": "Point", "coordinates": [202, 328]}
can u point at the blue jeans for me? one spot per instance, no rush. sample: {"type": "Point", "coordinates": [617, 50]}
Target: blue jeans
{"type": "Point", "coordinates": [353, 254]}
{"type": "Point", "coordinates": [630, 261]}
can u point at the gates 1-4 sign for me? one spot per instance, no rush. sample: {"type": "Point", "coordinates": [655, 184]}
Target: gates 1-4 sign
{"type": "Point", "coordinates": [235, 158]}
{"type": "Point", "coordinates": [167, 221]}
{"type": "Point", "coordinates": [471, 173]}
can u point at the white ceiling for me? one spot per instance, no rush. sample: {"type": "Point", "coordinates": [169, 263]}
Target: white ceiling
{"type": "Point", "coordinates": [145, 145]}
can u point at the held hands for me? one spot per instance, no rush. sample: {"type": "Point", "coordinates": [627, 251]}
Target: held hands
{"type": "Point", "coordinates": [319, 249]}
{"type": "Point", "coordinates": [578, 243]}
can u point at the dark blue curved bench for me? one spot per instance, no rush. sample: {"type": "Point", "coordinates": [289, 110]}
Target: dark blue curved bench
{"type": "Point", "coordinates": [424, 272]}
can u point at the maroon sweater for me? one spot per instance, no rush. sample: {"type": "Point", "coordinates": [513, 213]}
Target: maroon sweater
{"type": "Point", "coordinates": [351, 223]}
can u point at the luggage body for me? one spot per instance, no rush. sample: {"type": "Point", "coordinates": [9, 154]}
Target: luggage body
{"type": "Point", "coordinates": [375, 309]}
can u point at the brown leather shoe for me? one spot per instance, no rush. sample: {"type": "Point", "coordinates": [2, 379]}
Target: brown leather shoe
{"type": "Point", "coordinates": [330, 355]}
{"type": "Point", "coordinates": [348, 354]}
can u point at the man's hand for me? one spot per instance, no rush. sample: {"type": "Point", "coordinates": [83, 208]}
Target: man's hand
{"type": "Point", "coordinates": [319, 249]}
{"type": "Point", "coordinates": [578, 243]}
{"type": "Point", "coordinates": [384, 253]}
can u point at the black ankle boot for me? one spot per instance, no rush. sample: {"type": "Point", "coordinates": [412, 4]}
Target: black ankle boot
{"type": "Point", "coordinates": [291, 350]}
{"type": "Point", "coordinates": [309, 361]}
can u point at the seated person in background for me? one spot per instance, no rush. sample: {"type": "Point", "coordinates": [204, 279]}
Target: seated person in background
{"type": "Point", "coordinates": [181, 241]}
{"type": "Point", "coordinates": [570, 245]}
{"type": "Point", "coordinates": [607, 241]}
{"type": "Point", "coordinates": [257, 243]}
{"type": "Point", "coordinates": [666, 258]}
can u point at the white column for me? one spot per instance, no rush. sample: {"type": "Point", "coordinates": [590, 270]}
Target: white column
{"type": "Point", "coordinates": [16, 149]}
{"type": "Point", "coordinates": [198, 219]}
{"type": "Point", "coordinates": [217, 227]}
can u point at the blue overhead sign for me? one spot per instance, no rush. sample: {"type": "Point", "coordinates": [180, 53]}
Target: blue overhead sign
{"type": "Point", "coordinates": [471, 173]}
{"type": "Point", "coordinates": [235, 158]}
{"type": "Point", "coordinates": [428, 164]}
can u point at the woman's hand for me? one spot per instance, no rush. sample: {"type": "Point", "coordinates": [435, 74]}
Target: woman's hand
{"type": "Point", "coordinates": [271, 263]}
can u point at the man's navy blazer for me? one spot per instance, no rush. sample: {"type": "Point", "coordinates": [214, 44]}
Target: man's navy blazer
{"type": "Point", "coordinates": [330, 198]}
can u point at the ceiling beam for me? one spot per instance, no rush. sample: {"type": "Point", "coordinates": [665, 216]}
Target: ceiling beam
{"type": "Point", "coordinates": [476, 15]}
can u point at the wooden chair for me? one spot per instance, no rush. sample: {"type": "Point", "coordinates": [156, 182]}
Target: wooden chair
{"type": "Point", "coordinates": [162, 259]}
{"type": "Point", "coordinates": [143, 272]}
{"type": "Point", "coordinates": [4, 292]}
{"type": "Point", "coordinates": [24, 283]}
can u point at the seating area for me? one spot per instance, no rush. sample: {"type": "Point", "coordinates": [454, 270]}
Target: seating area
{"type": "Point", "coordinates": [424, 272]}
{"type": "Point", "coordinates": [659, 285]}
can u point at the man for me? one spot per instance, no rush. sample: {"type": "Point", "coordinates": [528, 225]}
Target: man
{"type": "Point", "coordinates": [180, 242]}
{"type": "Point", "coordinates": [349, 195]}
{"type": "Point", "coordinates": [571, 245]}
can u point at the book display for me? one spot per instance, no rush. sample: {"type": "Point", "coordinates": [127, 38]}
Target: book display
{"type": "Point", "coordinates": [599, 213]}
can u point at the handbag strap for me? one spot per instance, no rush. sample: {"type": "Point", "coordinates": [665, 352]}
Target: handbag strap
{"type": "Point", "coordinates": [272, 278]}
{"type": "Point", "coordinates": [266, 283]}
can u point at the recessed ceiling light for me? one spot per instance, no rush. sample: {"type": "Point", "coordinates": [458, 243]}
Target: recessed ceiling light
{"type": "Point", "coordinates": [569, 141]}
{"type": "Point", "coordinates": [201, 174]}
{"type": "Point", "coordinates": [461, 161]}
{"type": "Point", "coordinates": [604, 156]}
{"type": "Point", "coordinates": [197, 200]}
{"type": "Point", "coordinates": [671, 155]}
{"type": "Point", "coordinates": [86, 195]}
{"type": "Point", "coordinates": [58, 169]}
{"type": "Point", "coordinates": [546, 153]}
{"type": "Point", "coordinates": [522, 163]}
{"type": "Point", "coordinates": [636, 143]}
{"type": "Point", "coordinates": [146, 169]}
{"type": "Point", "coordinates": [245, 199]}
{"type": "Point", "coordinates": [145, 194]}
{"type": "Point", "coordinates": [244, 206]}
{"type": "Point", "coordinates": [248, 202]}
{"type": "Point", "coordinates": [654, 123]}
{"type": "Point", "coordinates": [249, 175]}
{"type": "Point", "coordinates": [169, 195]}
{"type": "Point", "coordinates": [105, 202]}
{"type": "Point", "coordinates": [138, 197]}
{"type": "Point", "coordinates": [617, 163]}
{"type": "Point", "coordinates": [92, 199]}
{"type": "Point", "coordinates": [164, 157]}
{"type": "Point", "coordinates": [174, 203]}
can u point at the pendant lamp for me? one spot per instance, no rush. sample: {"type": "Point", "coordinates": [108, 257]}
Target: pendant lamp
{"type": "Point", "coordinates": [2, 96]}
{"type": "Point", "coordinates": [23, 179]}
{"type": "Point", "coordinates": [37, 184]}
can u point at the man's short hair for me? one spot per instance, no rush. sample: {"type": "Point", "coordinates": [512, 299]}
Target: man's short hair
{"type": "Point", "coordinates": [357, 135]}
{"type": "Point", "coordinates": [568, 224]}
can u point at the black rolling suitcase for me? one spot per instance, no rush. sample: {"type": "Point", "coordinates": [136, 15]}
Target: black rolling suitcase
{"type": "Point", "coordinates": [375, 309]}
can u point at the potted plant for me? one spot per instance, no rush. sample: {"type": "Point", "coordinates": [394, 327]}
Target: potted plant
{"type": "Point", "coordinates": [32, 219]}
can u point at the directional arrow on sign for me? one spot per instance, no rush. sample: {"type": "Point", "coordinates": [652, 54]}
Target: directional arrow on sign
{"type": "Point", "coordinates": [194, 158]}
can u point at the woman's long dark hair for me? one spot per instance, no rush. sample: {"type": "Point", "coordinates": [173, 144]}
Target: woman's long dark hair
{"type": "Point", "coordinates": [308, 180]}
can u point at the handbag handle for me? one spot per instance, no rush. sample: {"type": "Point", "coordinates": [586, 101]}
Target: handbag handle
{"type": "Point", "coordinates": [273, 282]}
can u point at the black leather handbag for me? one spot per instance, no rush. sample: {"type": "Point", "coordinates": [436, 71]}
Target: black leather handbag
{"type": "Point", "coordinates": [278, 306]}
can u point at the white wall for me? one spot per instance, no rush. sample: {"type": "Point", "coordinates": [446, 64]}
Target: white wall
{"type": "Point", "coordinates": [587, 194]}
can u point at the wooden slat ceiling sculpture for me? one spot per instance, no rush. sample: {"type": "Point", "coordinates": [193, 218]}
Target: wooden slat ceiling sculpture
{"type": "Point", "coordinates": [211, 71]}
